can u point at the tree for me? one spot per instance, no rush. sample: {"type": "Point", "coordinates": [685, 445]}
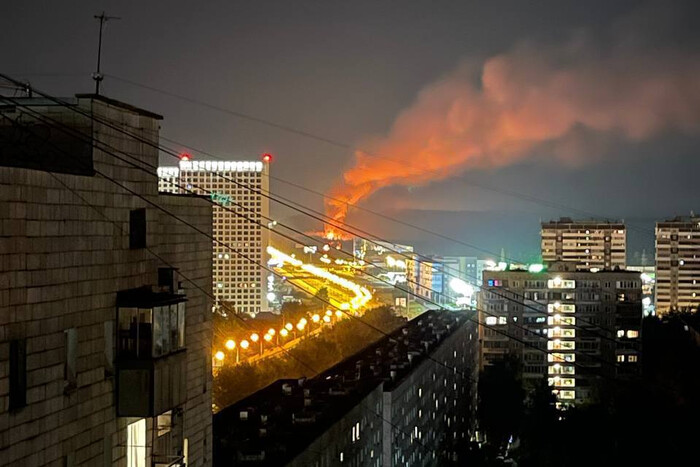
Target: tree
{"type": "Point", "coordinates": [501, 401]}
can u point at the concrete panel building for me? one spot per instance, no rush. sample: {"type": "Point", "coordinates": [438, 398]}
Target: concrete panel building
{"type": "Point", "coordinates": [104, 345]}
{"type": "Point", "coordinates": [384, 406]}
{"type": "Point", "coordinates": [678, 264]}
{"type": "Point", "coordinates": [239, 188]}
{"type": "Point", "coordinates": [591, 244]}
{"type": "Point", "coordinates": [579, 326]}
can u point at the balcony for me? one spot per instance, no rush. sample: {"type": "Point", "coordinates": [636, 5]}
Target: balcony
{"type": "Point", "coordinates": [151, 356]}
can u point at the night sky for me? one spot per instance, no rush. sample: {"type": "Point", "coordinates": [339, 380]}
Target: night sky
{"type": "Point", "coordinates": [344, 71]}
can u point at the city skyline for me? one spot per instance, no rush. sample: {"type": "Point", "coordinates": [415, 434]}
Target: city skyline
{"type": "Point", "coordinates": [487, 197]}
{"type": "Point", "coordinates": [373, 234]}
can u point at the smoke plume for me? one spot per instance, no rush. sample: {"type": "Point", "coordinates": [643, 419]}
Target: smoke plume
{"type": "Point", "coordinates": [499, 113]}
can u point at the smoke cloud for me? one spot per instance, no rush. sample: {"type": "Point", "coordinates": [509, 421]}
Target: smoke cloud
{"type": "Point", "coordinates": [499, 113]}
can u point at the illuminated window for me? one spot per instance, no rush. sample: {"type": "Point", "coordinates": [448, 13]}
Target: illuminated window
{"type": "Point", "coordinates": [632, 358]}
{"type": "Point", "coordinates": [620, 333]}
{"type": "Point", "coordinates": [567, 395]}
{"type": "Point", "coordinates": [620, 358]}
{"type": "Point", "coordinates": [632, 334]}
{"type": "Point", "coordinates": [491, 321]}
{"type": "Point", "coordinates": [136, 444]}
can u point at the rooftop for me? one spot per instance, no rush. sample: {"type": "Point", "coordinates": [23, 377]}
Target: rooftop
{"type": "Point", "coordinates": [565, 222]}
{"type": "Point", "coordinates": [278, 422]}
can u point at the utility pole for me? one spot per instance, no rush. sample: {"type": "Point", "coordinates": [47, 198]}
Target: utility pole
{"type": "Point", "coordinates": [97, 76]}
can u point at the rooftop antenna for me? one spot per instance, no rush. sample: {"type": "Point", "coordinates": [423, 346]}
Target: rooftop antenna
{"type": "Point", "coordinates": [97, 76]}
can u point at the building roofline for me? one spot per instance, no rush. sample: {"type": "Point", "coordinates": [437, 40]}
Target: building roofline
{"type": "Point", "coordinates": [120, 104]}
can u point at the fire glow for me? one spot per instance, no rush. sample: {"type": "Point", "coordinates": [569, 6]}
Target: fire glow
{"type": "Point", "coordinates": [497, 115]}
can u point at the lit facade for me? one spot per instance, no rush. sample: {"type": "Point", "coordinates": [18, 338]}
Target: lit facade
{"type": "Point", "coordinates": [591, 244]}
{"type": "Point", "coordinates": [419, 277]}
{"type": "Point", "coordinates": [105, 353]}
{"type": "Point", "coordinates": [239, 189]}
{"type": "Point", "coordinates": [387, 405]}
{"type": "Point", "coordinates": [580, 326]}
{"type": "Point", "coordinates": [678, 264]}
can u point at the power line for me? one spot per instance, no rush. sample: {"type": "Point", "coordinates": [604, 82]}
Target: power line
{"type": "Point", "coordinates": [347, 146]}
{"type": "Point", "coordinates": [216, 241]}
{"type": "Point", "coordinates": [155, 205]}
{"type": "Point", "coordinates": [506, 296]}
{"type": "Point", "coordinates": [121, 130]}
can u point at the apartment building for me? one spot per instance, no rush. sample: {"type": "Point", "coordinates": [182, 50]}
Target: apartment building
{"type": "Point", "coordinates": [104, 345]}
{"type": "Point", "coordinates": [678, 264]}
{"type": "Point", "coordinates": [573, 327]}
{"type": "Point", "coordinates": [591, 244]}
{"type": "Point", "coordinates": [387, 405]}
{"type": "Point", "coordinates": [241, 215]}
{"type": "Point", "coordinates": [419, 277]}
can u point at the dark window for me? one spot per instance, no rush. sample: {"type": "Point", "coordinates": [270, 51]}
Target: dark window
{"type": "Point", "coordinates": [18, 374]}
{"type": "Point", "coordinates": [137, 228]}
{"type": "Point", "coordinates": [70, 372]}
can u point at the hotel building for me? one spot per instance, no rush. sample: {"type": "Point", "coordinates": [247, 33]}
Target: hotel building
{"type": "Point", "coordinates": [240, 190]}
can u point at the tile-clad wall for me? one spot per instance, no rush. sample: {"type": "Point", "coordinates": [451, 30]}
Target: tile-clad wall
{"type": "Point", "coordinates": [190, 251]}
{"type": "Point", "coordinates": [61, 265]}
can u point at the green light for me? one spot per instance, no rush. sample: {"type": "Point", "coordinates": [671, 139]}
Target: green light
{"type": "Point", "coordinates": [535, 268]}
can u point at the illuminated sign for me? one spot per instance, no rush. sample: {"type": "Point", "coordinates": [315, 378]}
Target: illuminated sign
{"type": "Point", "coordinates": [220, 198]}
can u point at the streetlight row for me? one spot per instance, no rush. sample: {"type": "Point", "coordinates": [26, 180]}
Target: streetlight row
{"type": "Point", "coordinates": [269, 335]}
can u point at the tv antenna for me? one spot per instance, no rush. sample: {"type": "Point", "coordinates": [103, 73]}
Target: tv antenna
{"type": "Point", "coordinates": [97, 76]}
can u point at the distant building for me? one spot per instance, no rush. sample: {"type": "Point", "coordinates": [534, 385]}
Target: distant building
{"type": "Point", "coordinates": [648, 276]}
{"type": "Point", "coordinates": [419, 277]}
{"type": "Point", "coordinates": [677, 264]}
{"type": "Point", "coordinates": [387, 405]}
{"type": "Point", "coordinates": [239, 188]}
{"type": "Point", "coordinates": [591, 244]}
{"type": "Point", "coordinates": [580, 326]}
{"type": "Point", "coordinates": [105, 349]}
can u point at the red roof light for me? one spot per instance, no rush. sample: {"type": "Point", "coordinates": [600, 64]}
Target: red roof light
{"type": "Point", "coordinates": [267, 157]}
{"type": "Point", "coordinates": [185, 157]}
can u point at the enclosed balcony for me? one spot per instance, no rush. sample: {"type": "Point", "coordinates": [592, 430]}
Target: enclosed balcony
{"type": "Point", "coordinates": [151, 362]}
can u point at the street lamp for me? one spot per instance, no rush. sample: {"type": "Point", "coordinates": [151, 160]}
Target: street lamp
{"type": "Point", "coordinates": [230, 344]}
{"type": "Point", "coordinates": [219, 356]}
{"type": "Point", "coordinates": [284, 332]}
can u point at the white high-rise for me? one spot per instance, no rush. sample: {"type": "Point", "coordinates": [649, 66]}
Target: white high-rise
{"type": "Point", "coordinates": [239, 189]}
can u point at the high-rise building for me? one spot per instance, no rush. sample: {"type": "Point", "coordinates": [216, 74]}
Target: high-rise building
{"type": "Point", "coordinates": [105, 355]}
{"type": "Point", "coordinates": [678, 264]}
{"type": "Point", "coordinates": [579, 326]}
{"type": "Point", "coordinates": [240, 190]}
{"type": "Point", "coordinates": [591, 244]}
{"type": "Point", "coordinates": [408, 399]}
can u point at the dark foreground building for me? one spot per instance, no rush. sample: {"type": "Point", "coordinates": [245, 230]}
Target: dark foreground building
{"type": "Point", "coordinates": [105, 355]}
{"type": "Point", "coordinates": [408, 399]}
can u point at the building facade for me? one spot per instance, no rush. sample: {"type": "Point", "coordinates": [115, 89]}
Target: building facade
{"type": "Point", "coordinates": [419, 277]}
{"type": "Point", "coordinates": [387, 405]}
{"type": "Point", "coordinates": [578, 327]}
{"type": "Point", "coordinates": [678, 264]}
{"type": "Point", "coordinates": [242, 211]}
{"type": "Point", "coordinates": [104, 352]}
{"type": "Point", "coordinates": [591, 244]}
